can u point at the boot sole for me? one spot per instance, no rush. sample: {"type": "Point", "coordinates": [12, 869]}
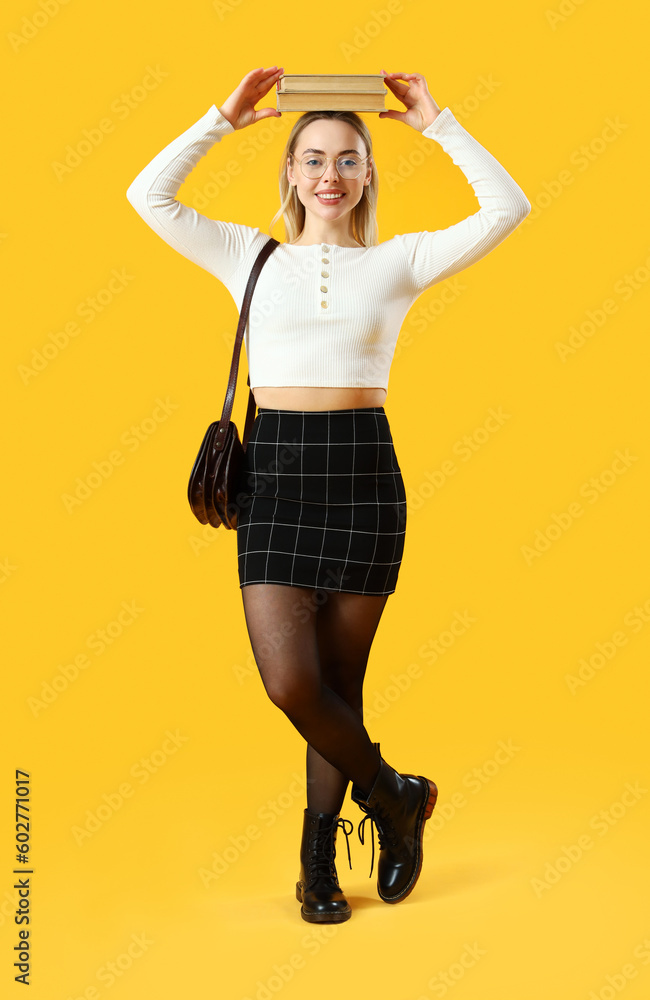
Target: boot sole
{"type": "Point", "coordinates": [426, 809]}
{"type": "Point", "coordinates": [322, 918]}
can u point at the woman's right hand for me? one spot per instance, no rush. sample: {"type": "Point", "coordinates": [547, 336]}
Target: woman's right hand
{"type": "Point", "coordinates": [239, 109]}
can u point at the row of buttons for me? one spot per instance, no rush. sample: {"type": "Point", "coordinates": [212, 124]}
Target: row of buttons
{"type": "Point", "coordinates": [324, 274]}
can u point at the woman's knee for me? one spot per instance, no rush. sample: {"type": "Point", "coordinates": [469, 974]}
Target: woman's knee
{"type": "Point", "coordinates": [293, 696]}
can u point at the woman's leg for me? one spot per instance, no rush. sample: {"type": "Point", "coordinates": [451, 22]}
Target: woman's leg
{"type": "Point", "coordinates": [282, 628]}
{"type": "Point", "coordinates": [346, 626]}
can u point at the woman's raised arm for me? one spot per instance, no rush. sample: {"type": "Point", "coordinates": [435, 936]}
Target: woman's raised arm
{"type": "Point", "coordinates": [219, 247]}
{"type": "Point", "coordinates": [438, 254]}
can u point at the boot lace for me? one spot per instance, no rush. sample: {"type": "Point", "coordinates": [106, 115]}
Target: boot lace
{"type": "Point", "coordinates": [386, 833]}
{"type": "Point", "coordinates": [322, 850]}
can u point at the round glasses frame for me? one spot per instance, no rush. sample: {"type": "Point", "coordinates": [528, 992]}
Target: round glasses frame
{"type": "Point", "coordinates": [327, 161]}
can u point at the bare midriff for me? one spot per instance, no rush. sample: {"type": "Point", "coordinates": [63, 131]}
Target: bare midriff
{"type": "Point", "coordinates": [308, 397]}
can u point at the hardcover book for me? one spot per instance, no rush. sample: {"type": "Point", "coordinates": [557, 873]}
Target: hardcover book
{"type": "Point", "coordinates": [331, 92]}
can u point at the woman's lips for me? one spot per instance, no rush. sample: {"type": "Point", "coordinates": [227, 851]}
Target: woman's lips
{"type": "Point", "coordinates": [332, 201]}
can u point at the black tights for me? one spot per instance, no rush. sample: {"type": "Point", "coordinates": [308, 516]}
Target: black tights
{"type": "Point", "coordinates": [311, 648]}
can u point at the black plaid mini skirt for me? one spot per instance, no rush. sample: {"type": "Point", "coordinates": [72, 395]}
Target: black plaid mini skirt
{"type": "Point", "coordinates": [321, 502]}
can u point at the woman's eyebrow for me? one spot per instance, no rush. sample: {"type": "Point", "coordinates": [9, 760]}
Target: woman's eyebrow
{"type": "Point", "coordinates": [310, 150]}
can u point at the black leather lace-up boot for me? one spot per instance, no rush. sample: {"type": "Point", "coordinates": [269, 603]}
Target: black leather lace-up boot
{"type": "Point", "coordinates": [317, 887]}
{"type": "Point", "coordinates": [399, 805]}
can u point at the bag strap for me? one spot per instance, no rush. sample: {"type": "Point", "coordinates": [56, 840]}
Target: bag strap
{"type": "Point", "coordinates": [220, 437]}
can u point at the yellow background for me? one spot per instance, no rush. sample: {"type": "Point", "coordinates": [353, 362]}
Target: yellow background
{"type": "Point", "coordinates": [505, 879]}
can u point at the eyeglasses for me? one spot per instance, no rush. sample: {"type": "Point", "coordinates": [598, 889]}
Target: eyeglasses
{"type": "Point", "coordinates": [315, 165]}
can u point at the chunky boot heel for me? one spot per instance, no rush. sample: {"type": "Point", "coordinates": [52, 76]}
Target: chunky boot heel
{"type": "Point", "coordinates": [433, 796]}
{"type": "Point", "coordinates": [399, 805]}
{"type": "Point", "coordinates": [317, 887]}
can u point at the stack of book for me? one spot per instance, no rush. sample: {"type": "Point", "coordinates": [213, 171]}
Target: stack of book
{"type": "Point", "coordinates": [331, 92]}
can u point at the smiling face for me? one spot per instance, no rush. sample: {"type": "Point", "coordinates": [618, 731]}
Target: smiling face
{"type": "Point", "coordinates": [332, 138]}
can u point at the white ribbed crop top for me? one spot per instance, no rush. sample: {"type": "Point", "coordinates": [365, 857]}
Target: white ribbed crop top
{"type": "Point", "coordinates": [326, 315]}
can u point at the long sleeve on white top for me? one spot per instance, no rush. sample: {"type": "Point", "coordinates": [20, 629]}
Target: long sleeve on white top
{"type": "Point", "coordinates": [327, 315]}
{"type": "Point", "coordinates": [220, 247]}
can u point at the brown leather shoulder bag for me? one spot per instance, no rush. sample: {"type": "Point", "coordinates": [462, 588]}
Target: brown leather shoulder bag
{"type": "Point", "coordinates": [217, 469]}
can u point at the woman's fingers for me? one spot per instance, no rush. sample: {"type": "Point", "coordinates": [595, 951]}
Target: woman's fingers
{"type": "Point", "coordinates": [258, 77]}
{"type": "Point", "coordinates": [397, 88]}
{"type": "Point", "coordinates": [271, 71]}
{"type": "Point", "coordinates": [266, 79]}
{"type": "Point", "coordinates": [415, 97]}
{"type": "Point", "coordinates": [395, 84]}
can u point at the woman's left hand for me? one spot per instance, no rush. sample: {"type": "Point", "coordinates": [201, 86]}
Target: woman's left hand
{"type": "Point", "coordinates": [421, 107]}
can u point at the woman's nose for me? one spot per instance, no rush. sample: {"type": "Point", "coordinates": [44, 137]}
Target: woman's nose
{"type": "Point", "coordinates": [331, 173]}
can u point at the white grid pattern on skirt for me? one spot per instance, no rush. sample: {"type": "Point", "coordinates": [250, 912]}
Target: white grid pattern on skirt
{"type": "Point", "coordinates": [322, 502]}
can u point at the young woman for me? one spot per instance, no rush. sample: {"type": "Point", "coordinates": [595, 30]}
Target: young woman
{"type": "Point", "coordinates": [321, 529]}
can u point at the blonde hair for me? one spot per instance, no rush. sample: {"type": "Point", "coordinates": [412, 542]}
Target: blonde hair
{"type": "Point", "coordinates": [364, 214]}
